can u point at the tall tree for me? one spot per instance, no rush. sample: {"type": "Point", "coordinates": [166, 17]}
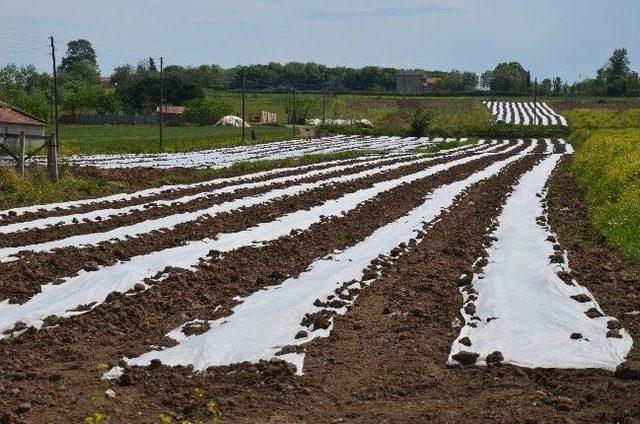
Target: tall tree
{"type": "Point", "coordinates": [78, 51]}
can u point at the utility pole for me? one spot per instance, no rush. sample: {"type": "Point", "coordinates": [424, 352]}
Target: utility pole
{"type": "Point", "coordinates": [535, 101]}
{"type": "Point", "coordinates": [295, 107]}
{"type": "Point", "coordinates": [324, 101]}
{"type": "Point", "coordinates": [243, 93]}
{"type": "Point", "coordinates": [52, 143]}
{"type": "Point", "coordinates": [161, 100]}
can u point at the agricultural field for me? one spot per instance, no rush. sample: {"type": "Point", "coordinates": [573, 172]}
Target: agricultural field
{"type": "Point", "coordinates": [111, 139]}
{"type": "Point", "coordinates": [525, 113]}
{"type": "Point", "coordinates": [413, 279]}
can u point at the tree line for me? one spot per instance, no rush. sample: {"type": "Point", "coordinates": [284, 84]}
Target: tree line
{"type": "Point", "coordinates": [135, 89]}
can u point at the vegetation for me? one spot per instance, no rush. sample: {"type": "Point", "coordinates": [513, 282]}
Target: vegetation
{"type": "Point", "coordinates": [421, 123]}
{"type": "Point", "coordinates": [105, 139]}
{"type": "Point", "coordinates": [206, 111]}
{"type": "Point", "coordinates": [298, 110]}
{"type": "Point", "coordinates": [606, 166]}
{"type": "Point", "coordinates": [603, 118]}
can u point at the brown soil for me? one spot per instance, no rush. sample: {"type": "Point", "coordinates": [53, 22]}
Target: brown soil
{"type": "Point", "coordinates": [384, 360]}
{"type": "Point", "coordinates": [19, 280]}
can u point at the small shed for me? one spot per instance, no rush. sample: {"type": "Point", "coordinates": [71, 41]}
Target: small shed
{"type": "Point", "coordinates": [171, 114]}
{"type": "Point", "coordinates": [13, 121]}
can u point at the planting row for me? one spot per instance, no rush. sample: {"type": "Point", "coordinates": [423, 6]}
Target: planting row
{"type": "Point", "coordinates": [525, 113]}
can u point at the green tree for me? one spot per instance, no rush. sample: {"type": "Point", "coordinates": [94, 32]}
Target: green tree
{"type": "Point", "coordinates": [300, 107]}
{"type": "Point", "coordinates": [204, 111]}
{"type": "Point", "coordinates": [616, 76]}
{"type": "Point", "coordinates": [107, 102]}
{"type": "Point", "coordinates": [557, 86]}
{"type": "Point", "coordinates": [80, 63]}
{"type": "Point", "coordinates": [507, 77]}
{"type": "Point", "coordinates": [545, 87]}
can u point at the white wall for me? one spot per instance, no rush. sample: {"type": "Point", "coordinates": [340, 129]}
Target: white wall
{"type": "Point", "coordinates": [12, 143]}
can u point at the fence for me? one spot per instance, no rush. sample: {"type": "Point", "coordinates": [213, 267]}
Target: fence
{"type": "Point", "coordinates": [110, 119]}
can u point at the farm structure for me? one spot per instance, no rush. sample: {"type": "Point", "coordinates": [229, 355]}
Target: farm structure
{"type": "Point", "coordinates": [414, 82]}
{"type": "Point", "coordinates": [267, 285]}
{"type": "Point", "coordinates": [13, 121]}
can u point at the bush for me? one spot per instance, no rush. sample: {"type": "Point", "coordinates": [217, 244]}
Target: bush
{"type": "Point", "coordinates": [421, 122]}
{"type": "Point", "coordinates": [206, 111]}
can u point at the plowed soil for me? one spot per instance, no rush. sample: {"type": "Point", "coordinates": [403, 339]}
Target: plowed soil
{"type": "Point", "coordinates": [384, 360]}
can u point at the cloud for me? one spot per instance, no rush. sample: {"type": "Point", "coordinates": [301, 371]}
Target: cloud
{"type": "Point", "coordinates": [375, 13]}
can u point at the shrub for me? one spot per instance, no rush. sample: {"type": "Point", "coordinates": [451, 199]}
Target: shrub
{"type": "Point", "coordinates": [206, 111]}
{"type": "Point", "coordinates": [421, 122]}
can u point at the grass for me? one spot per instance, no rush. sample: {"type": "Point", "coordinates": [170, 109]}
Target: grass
{"type": "Point", "coordinates": [607, 168]}
{"type": "Point", "coordinates": [106, 139]}
{"type": "Point", "coordinates": [272, 102]}
{"type": "Point", "coordinates": [36, 188]}
{"type": "Point", "coordinates": [603, 118]}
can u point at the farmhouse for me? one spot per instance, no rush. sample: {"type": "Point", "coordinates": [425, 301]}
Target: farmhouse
{"type": "Point", "coordinates": [414, 82]}
{"type": "Point", "coordinates": [13, 121]}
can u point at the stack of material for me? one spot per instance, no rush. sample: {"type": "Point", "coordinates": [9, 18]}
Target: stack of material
{"type": "Point", "coordinates": [232, 121]}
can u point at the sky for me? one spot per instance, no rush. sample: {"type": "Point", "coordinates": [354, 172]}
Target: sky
{"type": "Point", "coordinates": [566, 38]}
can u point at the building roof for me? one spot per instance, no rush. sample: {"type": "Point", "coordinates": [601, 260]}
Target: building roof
{"type": "Point", "coordinates": [171, 110]}
{"type": "Point", "coordinates": [14, 116]}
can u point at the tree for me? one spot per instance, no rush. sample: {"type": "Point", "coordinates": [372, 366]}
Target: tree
{"type": "Point", "coordinates": [23, 87]}
{"type": "Point", "coordinates": [107, 102]}
{"type": "Point", "coordinates": [545, 87]}
{"type": "Point", "coordinates": [557, 86]}
{"type": "Point", "coordinates": [616, 76]}
{"type": "Point", "coordinates": [508, 77]}
{"type": "Point", "coordinates": [302, 106]}
{"type": "Point", "coordinates": [78, 51]}
{"type": "Point", "coordinates": [203, 111]}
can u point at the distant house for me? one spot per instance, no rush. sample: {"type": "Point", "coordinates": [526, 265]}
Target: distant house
{"type": "Point", "coordinates": [415, 82]}
{"type": "Point", "coordinates": [171, 114]}
{"type": "Point", "coordinates": [105, 82]}
{"type": "Point", "coordinates": [13, 121]}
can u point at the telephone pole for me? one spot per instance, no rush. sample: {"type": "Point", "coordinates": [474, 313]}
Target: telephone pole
{"type": "Point", "coordinates": [243, 93]}
{"type": "Point", "coordinates": [324, 101]}
{"type": "Point", "coordinates": [52, 148]}
{"type": "Point", "coordinates": [535, 101]}
{"type": "Point", "coordinates": [295, 106]}
{"type": "Point", "coordinates": [161, 100]}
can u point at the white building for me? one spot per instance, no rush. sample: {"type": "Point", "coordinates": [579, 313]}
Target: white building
{"type": "Point", "coordinates": [13, 121]}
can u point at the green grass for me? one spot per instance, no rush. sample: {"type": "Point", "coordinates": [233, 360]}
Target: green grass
{"type": "Point", "coordinates": [105, 139]}
{"type": "Point", "coordinates": [272, 102]}
{"type": "Point", "coordinates": [607, 168]}
{"type": "Point", "coordinates": [603, 118]}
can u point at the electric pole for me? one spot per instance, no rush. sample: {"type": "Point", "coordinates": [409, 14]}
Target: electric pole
{"type": "Point", "coordinates": [295, 106]}
{"type": "Point", "coordinates": [324, 102]}
{"type": "Point", "coordinates": [535, 101]}
{"type": "Point", "coordinates": [243, 93]}
{"type": "Point", "coordinates": [52, 149]}
{"type": "Point", "coordinates": [161, 100]}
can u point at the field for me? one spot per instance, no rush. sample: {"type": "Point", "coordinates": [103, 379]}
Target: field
{"type": "Point", "coordinates": [106, 139]}
{"type": "Point", "coordinates": [388, 285]}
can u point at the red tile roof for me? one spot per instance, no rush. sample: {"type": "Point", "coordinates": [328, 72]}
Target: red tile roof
{"type": "Point", "coordinates": [11, 115]}
{"type": "Point", "coordinates": [171, 110]}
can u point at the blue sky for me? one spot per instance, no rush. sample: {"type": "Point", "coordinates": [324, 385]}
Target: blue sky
{"type": "Point", "coordinates": [567, 38]}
